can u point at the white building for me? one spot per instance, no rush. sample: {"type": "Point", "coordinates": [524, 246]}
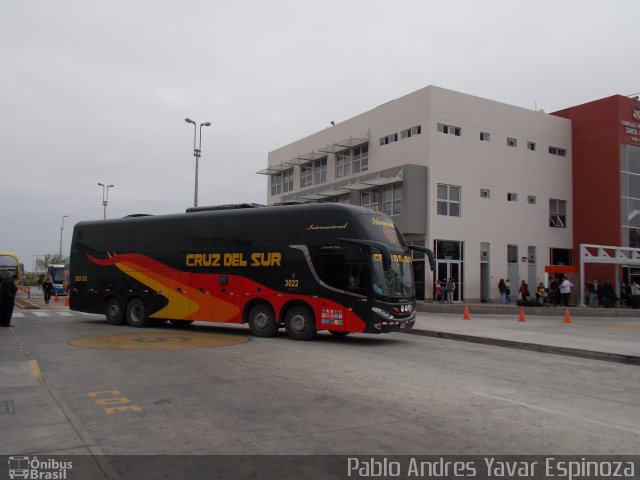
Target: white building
{"type": "Point", "coordinates": [486, 185]}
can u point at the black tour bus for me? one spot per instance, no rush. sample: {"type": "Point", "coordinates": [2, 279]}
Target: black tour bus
{"type": "Point", "coordinates": [307, 267]}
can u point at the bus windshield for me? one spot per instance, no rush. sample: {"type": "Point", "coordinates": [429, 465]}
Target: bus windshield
{"type": "Point", "coordinates": [9, 265]}
{"type": "Point", "coordinates": [397, 281]}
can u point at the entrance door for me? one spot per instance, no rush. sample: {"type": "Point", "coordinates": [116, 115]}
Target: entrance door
{"type": "Point", "coordinates": [485, 292]}
{"type": "Point", "coordinates": [447, 269]}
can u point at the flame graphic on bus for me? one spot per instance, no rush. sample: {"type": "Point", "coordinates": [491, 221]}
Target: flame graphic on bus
{"type": "Point", "coordinates": [186, 294]}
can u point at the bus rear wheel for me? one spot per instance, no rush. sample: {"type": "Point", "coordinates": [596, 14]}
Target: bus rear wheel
{"type": "Point", "coordinates": [114, 312]}
{"type": "Point", "coordinates": [299, 323]}
{"type": "Point", "coordinates": [137, 314]}
{"type": "Point", "coordinates": [262, 321]}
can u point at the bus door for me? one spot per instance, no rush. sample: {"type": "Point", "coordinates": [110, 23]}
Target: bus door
{"type": "Point", "coordinates": [226, 297]}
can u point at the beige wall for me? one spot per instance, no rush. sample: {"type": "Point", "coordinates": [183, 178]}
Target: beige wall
{"type": "Point", "coordinates": [468, 162]}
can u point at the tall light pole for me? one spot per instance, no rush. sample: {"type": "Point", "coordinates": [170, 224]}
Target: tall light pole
{"type": "Point", "coordinates": [61, 229]}
{"type": "Point", "coordinates": [196, 152]}
{"type": "Point", "coordinates": [105, 197]}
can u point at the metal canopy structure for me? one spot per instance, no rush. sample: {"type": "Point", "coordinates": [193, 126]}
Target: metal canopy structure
{"type": "Point", "coordinates": [608, 255]}
{"type": "Point", "coordinates": [274, 169]}
{"type": "Point", "coordinates": [374, 182]}
{"type": "Point", "coordinates": [344, 144]}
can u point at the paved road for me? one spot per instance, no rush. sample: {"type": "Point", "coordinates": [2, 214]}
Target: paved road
{"type": "Point", "coordinates": [363, 395]}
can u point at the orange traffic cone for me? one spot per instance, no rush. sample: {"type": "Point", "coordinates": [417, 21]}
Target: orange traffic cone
{"type": "Point", "coordinates": [56, 299]}
{"type": "Point", "coordinates": [521, 319]}
{"type": "Point", "coordinates": [66, 302]}
{"type": "Point", "coordinates": [466, 313]}
{"type": "Point", "coordinates": [567, 316]}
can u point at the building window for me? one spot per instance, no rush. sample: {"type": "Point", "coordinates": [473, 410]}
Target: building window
{"type": "Point", "coordinates": [512, 254]}
{"type": "Point", "coordinates": [512, 197]}
{"type": "Point", "coordinates": [320, 171]}
{"type": "Point", "coordinates": [410, 132]}
{"type": "Point", "coordinates": [485, 136]}
{"type": "Point", "coordinates": [287, 181]}
{"type": "Point", "coordinates": [389, 139]}
{"type": "Point", "coordinates": [306, 176]}
{"type": "Point", "coordinates": [557, 213]}
{"type": "Point", "coordinates": [561, 256]}
{"type": "Point", "coordinates": [449, 200]}
{"type": "Point", "coordinates": [361, 159]}
{"type": "Point", "coordinates": [531, 146]}
{"type": "Point", "coordinates": [449, 129]}
{"type": "Point", "coordinates": [561, 152]}
{"type": "Point", "coordinates": [531, 199]}
{"type": "Point", "coordinates": [371, 199]}
{"type": "Point", "coordinates": [343, 163]}
{"type": "Point", "coordinates": [392, 200]}
{"type": "Point", "coordinates": [276, 184]}
{"type": "Point", "coordinates": [484, 193]}
{"type": "Point", "coordinates": [512, 142]}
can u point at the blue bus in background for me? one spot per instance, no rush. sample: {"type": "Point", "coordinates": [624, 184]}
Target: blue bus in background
{"type": "Point", "coordinates": [59, 277]}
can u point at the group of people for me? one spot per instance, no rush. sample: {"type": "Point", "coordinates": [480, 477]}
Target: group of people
{"type": "Point", "coordinates": [558, 292]}
{"type": "Point", "coordinates": [445, 290]}
{"type": "Point", "coordinates": [603, 293]}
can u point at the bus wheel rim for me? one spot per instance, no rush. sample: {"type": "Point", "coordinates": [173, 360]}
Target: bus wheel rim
{"type": "Point", "coordinates": [261, 320]}
{"type": "Point", "coordinates": [298, 322]}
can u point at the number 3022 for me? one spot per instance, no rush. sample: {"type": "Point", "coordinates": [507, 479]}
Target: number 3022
{"type": "Point", "coordinates": [291, 283]}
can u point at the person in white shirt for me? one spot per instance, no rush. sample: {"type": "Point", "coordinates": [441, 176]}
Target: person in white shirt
{"type": "Point", "coordinates": [565, 291]}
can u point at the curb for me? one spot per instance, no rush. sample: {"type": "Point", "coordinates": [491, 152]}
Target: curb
{"type": "Point", "coordinates": [535, 347]}
{"type": "Point", "coordinates": [25, 304]}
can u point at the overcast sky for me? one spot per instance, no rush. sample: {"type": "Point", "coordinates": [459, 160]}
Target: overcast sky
{"type": "Point", "coordinates": [97, 91]}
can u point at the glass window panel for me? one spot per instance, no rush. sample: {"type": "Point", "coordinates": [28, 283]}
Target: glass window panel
{"type": "Point", "coordinates": [634, 186]}
{"type": "Point", "coordinates": [442, 208]}
{"type": "Point", "coordinates": [443, 192]}
{"type": "Point", "coordinates": [454, 193]}
{"type": "Point", "coordinates": [454, 209]}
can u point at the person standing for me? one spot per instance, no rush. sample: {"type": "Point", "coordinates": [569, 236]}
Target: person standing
{"type": "Point", "coordinates": [47, 288]}
{"type": "Point", "coordinates": [451, 288]}
{"type": "Point", "coordinates": [7, 298]}
{"type": "Point", "coordinates": [507, 291]}
{"type": "Point", "coordinates": [502, 288]}
{"type": "Point", "coordinates": [565, 291]}
{"type": "Point", "coordinates": [524, 291]}
{"type": "Point", "coordinates": [438, 296]}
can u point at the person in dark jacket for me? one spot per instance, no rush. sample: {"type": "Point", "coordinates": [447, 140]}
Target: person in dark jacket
{"type": "Point", "coordinates": [8, 292]}
{"type": "Point", "coordinates": [47, 288]}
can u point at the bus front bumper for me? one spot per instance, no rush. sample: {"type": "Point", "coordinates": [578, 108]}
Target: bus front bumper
{"type": "Point", "coordinates": [388, 323]}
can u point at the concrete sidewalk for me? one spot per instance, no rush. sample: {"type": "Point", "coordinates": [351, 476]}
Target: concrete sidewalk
{"type": "Point", "coordinates": [614, 338]}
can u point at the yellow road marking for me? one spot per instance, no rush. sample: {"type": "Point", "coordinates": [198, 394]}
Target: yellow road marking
{"type": "Point", "coordinates": [159, 341]}
{"type": "Point", "coordinates": [35, 369]}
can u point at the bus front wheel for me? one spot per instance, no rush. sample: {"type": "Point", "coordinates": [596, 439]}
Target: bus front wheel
{"type": "Point", "coordinates": [299, 323]}
{"type": "Point", "coordinates": [137, 314]}
{"type": "Point", "coordinates": [262, 321]}
{"type": "Point", "coordinates": [113, 311]}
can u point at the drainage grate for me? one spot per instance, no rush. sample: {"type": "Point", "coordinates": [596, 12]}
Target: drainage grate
{"type": "Point", "coordinates": [6, 406]}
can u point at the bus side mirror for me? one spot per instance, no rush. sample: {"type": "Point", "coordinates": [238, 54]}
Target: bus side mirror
{"type": "Point", "coordinates": [428, 252]}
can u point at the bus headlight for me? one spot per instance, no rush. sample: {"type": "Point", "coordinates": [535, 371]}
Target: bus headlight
{"type": "Point", "coordinates": [383, 313]}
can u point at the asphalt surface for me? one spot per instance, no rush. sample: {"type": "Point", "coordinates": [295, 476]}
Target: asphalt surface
{"type": "Point", "coordinates": [55, 425]}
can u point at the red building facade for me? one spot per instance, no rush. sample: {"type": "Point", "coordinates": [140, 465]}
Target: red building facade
{"type": "Point", "coordinates": [606, 176]}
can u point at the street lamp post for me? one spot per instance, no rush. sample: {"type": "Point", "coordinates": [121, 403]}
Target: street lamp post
{"type": "Point", "coordinates": [197, 152]}
{"type": "Point", "coordinates": [61, 229]}
{"type": "Point", "coordinates": [105, 197]}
